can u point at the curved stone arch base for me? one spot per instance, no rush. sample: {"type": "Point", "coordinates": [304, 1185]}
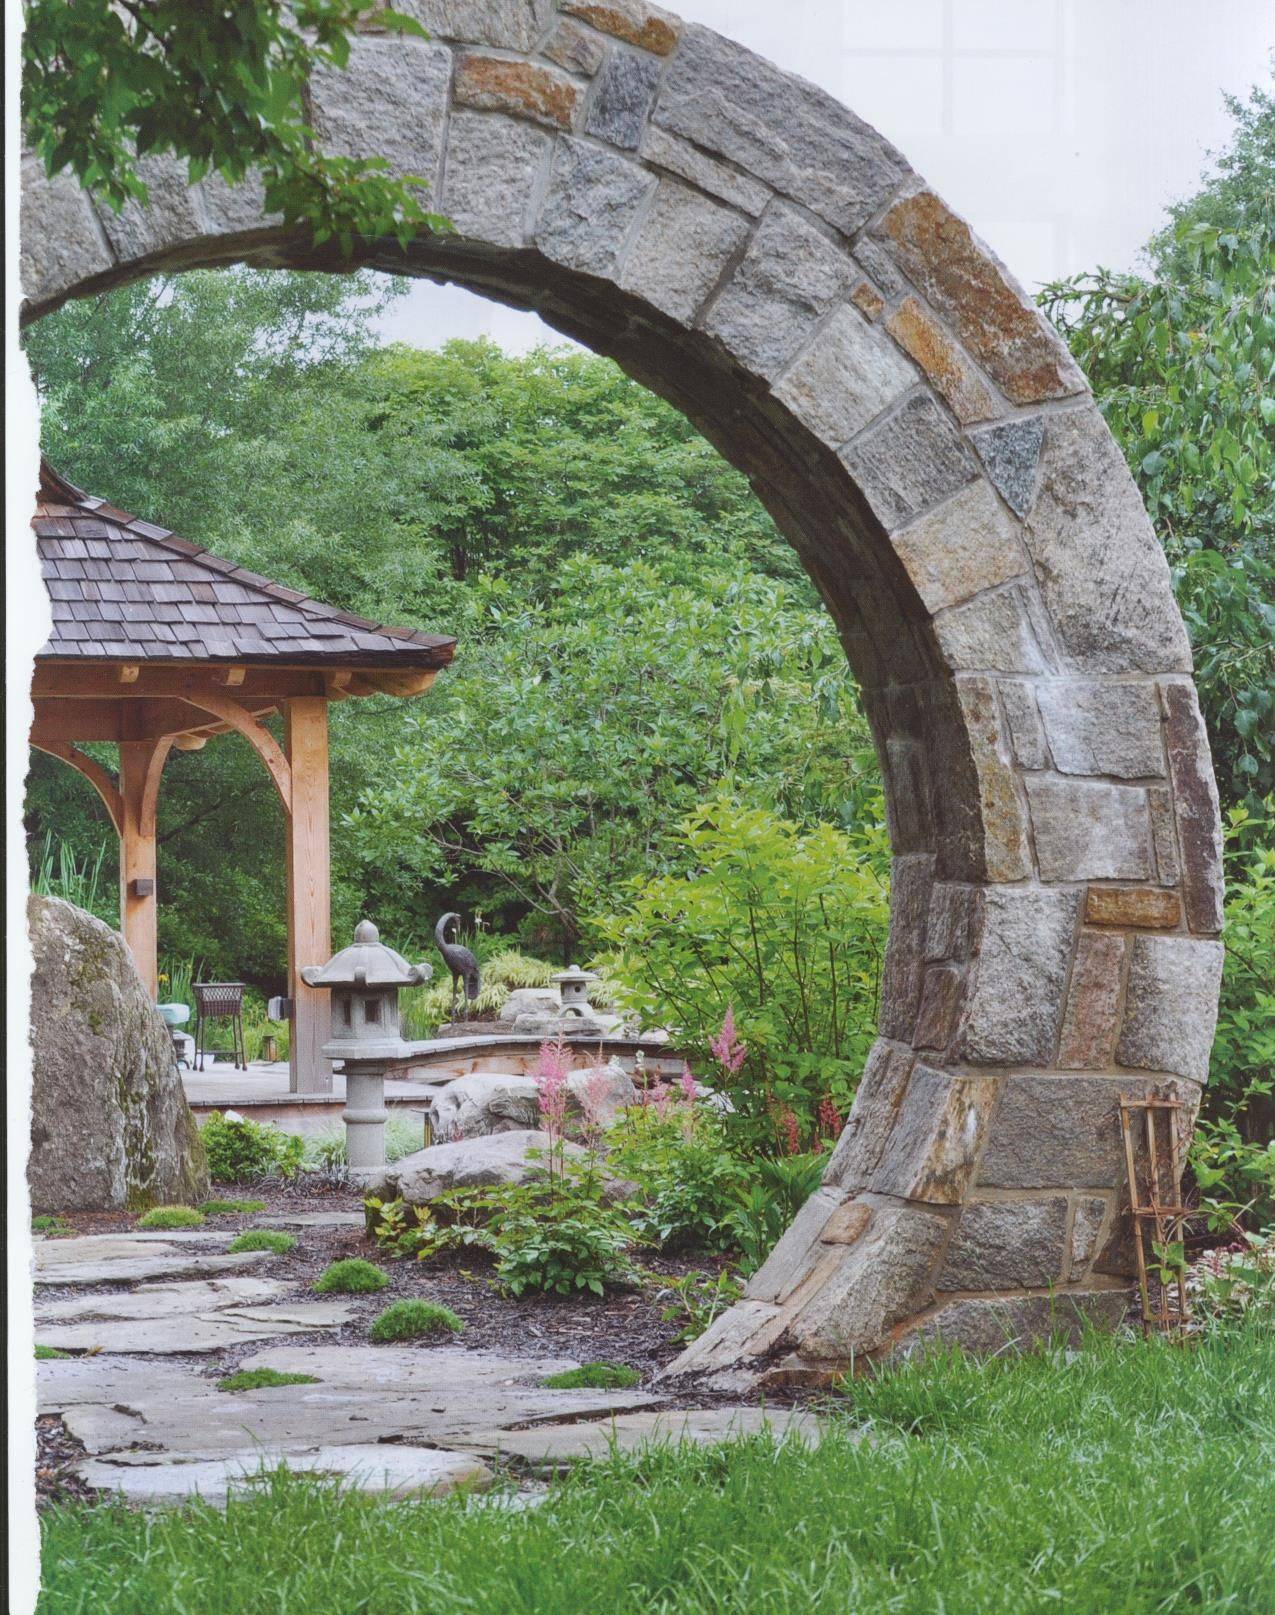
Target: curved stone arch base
{"type": "Point", "coordinates": [755, 253]}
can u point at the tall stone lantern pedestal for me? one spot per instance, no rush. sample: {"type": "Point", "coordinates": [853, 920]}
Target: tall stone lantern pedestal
{"type": "Point", "coordinates": [364, 980]}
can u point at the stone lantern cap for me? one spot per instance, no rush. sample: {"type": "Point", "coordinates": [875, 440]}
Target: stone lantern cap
{"type": "Point", "coordinates": [573, 976]}
{"type": "Point", "coordinates": [367, 962]}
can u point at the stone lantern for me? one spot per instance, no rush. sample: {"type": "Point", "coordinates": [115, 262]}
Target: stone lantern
{"type": "Point", "coordinates": [364, 980]}
{"type": "Point", "coordinates": [573, 988]}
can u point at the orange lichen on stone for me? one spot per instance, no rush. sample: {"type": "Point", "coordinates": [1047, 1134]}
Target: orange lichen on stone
{"type": "Point", "coordinates": [867, 299]}
{"type": "Point", "coordinates": [630, 20]}
{"type": "Point", "coordinates": [964, 284]}
{"type": "Point", "coordinates": [1138, 906]}
{"type": "Point", "coordinates": [921, 336]}
{"type": "Point", "coordinates": [1089, 1025]}
{"type": "Point", "coordinates": [498, 84]}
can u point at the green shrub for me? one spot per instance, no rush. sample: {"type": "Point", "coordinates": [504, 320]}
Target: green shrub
{"type": "Point", "coordinates": [1224, 1285]}
{"type": "Point", "coordinates": [172, 1217]}
{"type": "Point", "coordinates": [257, 1379]}
{"type": "Point", "coordinates": [689, 1180]}
{"type": "Point", "coordinates": [594, 1377]}
{"type": "Point", "coordinates": [403, 1136]}
{"type": "Point", "coordinates": [774, 1190]}
{"type": "Point", "coordinates": [263, 1239]}
{"type": "Point", "coordinates": [353, 1276]}
{"type": "Point", "coordinates": [219, 1208]}
{"type": "Point", "coordinates": [241, 1150]}
{"type": "Point", "coordinates": [52, 1227]}
{"type": "Point", "coordinates": [409, 1320]}
{"type": "Point", "coordinates": [44, 1354]}
{"type": "Point", "coordinates": [694, 1299]}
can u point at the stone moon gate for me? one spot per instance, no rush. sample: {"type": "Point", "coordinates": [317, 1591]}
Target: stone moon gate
{"type": "Point", "coordinates": [756, 254]}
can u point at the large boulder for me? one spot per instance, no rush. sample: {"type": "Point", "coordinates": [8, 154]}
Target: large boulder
{"type": "Point", "coordinates": [468, 1163]}
{"type": "Point", "coordinates": [498, 1102]}
{"type": "Point", "coordinates": [110, 1126]}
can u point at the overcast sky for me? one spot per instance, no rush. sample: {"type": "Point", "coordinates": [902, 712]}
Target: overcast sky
{"type": "Point", "coordinates": [1059, 128]}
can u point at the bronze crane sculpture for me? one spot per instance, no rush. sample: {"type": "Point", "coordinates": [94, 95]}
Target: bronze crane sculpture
{"type": "Point", "coordinates": [459, 960]}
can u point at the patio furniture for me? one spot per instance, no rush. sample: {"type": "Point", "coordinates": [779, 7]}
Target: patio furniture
{"type": "Point", "coordinates": [219, 1001]}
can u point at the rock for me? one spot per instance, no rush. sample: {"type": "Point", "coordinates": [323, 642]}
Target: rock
{"type": "Point", "coordinates": [493, 1102]}
{"type": "Point", "coordinates": [548, 1446]}
{"type": "Point", "coordinates": [683, 246]}
{"type": "Point", "coordinates": [577, 49]}
{"type": "Point", "coordinates": [1147, 908]}
{"type": "Point", "coordinates": [492, 167]}
{"type": "Point", "coordinates": [1198, 813]}
{"type": "Point", "coordinates": [992, 634]}
{"type": "Point", "coordinates": [622, 97]}
{"type": "Point", "coordinates": [849, 372]}
{"type": "Point", "coordinates": [531, 1001]}
{"type": "Point", "coordinates": [510, 24]}
{"type": "Point", "coordinates": [634, 21]}
{"type": "Point", "coordinates": [163, 1300]}
{"type": "Point", "coordinates": [499, 84]}
{"type": "Point", "coordinates": [939, 1127]}
{"type": "Point", "coordinates": [909, 462]}
{"type": "Point", "coordinates": [663, 150]}
{"type": "Point", "coordinates": [1089, 830]}
{"type": "Point", "coordinates": [1026, 732]}
{"type": "Point", "coordinates": [408, 1368]}
{"type": "Point", "coordinates": [790, 276]}
{"type": "Point", "coordinates": [965, 546]}
{"type": "Point", "coordinates": [1097, 727]}
{"type": "Point", "coordinates": [876, 1104]}
{"type": "Point", "coordinates": [1003, 1245]}
{"type": "Point", "coordinates": [966, 393]}
{"type": "Point", "coordinates": [469, 1163]}
{"type": "Point", "coordinates": [796, 138]}
{"type": "Point", "coordinates": [1164, 834]}
{"type": "Point", "coordinates": [1170, 1008]}
{"type": "Point", "coordinates": [103, 1381]}
{"type": "Point", "coordinates": [1093, 1002]}
{"type": "Point", "coordinates": [170, 215]}
{"type": "Point", "coordinates": [965, 283]}
{"type": "Point", "coordinates": [593, 199]}
{"type": "Point", "coordinates": [110, 1126]}
{"type": "Point", "coordinates": [1018, 1322]}
{"type": "Point", "coordinates": [1019, 975]}
{"type": "Point", "coordinates": [1010, 453]}
{"type": "Point", "coordinates": [1087, 1229]}
{"type": "Point", "coordinates": [139, 1263]}
{"type": "Point", "coordinates": [388, 1470]}
{"type": "Point", "coordinates": [911, 879]}
{"type": "Point", "coordinates": [1101, 569]}
{"type": "Point", "coordinates": [390, 100]}
{"type": "Point", "coordinates": [993, 845]}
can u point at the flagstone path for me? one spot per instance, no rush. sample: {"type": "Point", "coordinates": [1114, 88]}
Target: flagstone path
{"type": "Point", "coordinates": [139, 1392]}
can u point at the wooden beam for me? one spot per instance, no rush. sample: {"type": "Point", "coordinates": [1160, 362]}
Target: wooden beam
{"type": "Point", "coordinates": [309, 891]}
{"type": "Point", "coordinates": [141, 763]}
{"type": "Point", "coordinates": [378, 681]}
{"type": "Point", "coordinates": [101, 779]}
{"type": "Point", "coordinates": [238, 718]}
{"type": "Point", "coordinates": [100, 681]}
{"type": "Point", "coordinates": [129, 672]}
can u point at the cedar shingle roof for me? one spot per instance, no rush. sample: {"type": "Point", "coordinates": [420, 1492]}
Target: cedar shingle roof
{"type": "Point", "coordinates": [124, 589]}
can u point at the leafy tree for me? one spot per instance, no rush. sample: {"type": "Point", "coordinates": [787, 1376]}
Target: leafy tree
{"type": "Point", "coordinates": [106, 83]}
{"type": "Point", "coordinates": [1182, 361]}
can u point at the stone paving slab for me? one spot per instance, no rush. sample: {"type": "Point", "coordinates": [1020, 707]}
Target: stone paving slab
{"type": "Point", "coordinates": [70, 1381]}
{"type": "Point", "coordinates": [308, 1219]}
{"type": "Point", "coordinates": [549, 1446]}
{"type": "Point", "coordinates": [129, 1258]}
{"type": "Point", "coordinates": [409, 1368]}
{"type": "Point", "coordinates": [164, 1300]}
{"type": "Point", "coordinates": [389, 1470]}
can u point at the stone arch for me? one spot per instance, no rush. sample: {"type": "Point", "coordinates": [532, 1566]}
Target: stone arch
{"type": "Point", "coordinates": [751, 250]}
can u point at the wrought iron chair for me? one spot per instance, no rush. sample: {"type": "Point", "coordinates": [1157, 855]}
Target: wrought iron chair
{"type": "Point", "coordinates": [219, 1001]}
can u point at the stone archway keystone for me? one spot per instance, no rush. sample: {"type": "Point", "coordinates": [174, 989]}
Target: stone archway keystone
{"type": "Point", "coordinates": [751, 250]}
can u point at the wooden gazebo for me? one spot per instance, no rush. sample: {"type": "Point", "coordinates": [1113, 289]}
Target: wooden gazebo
{"type": "Point", "coordinates": [158, 644]}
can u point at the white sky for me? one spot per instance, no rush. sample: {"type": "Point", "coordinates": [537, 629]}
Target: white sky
{"type": "Point", "coordinates": [1060, 128]}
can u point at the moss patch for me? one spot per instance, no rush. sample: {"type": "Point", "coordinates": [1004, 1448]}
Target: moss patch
{"type": "Point", "coordinates": [594, 1377]}
{"type": "Point", "coordinates": [354, 1276]}
{"type": "Point", "coordinates": [172, 1217]}
{"type": "Point", "coordinates": [258, 1379]}
{"type": "Point", "coordinates": [409, 1320]}
{"type": "Point", "coordinates": [264, 1239]}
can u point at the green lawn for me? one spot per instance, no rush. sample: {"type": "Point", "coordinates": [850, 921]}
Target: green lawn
{"type": "Point", "coordinates": [1132, 1478]}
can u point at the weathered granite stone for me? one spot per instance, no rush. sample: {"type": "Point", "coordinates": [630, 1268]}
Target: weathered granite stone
{"type": "Point", "coordinates": [871, 1117]}
{"type": "Point", "coordinates": [792, 1258]}
{"type": "Point", "coordinates": [947, 928]}
{"type": "Point", "coordinates": [491, 171]}
{"type": "Point", "coordinates": [1147, 908]}
{"type": "Point", "coordinates": [910, 880]}
{"type": "Point", "coordinates": [1010, 454]}
{"type": "Point", "coordinates": [1164, 834]}
{"type": "Point", "coordinates": [1002, 852]}
{"type": "Point", "coordinates": [622, 97]}
{"type": "Point", "coordinates": [593, 200]}
{"type": "Point", "coordinates": [1170, 1008]}
{"type": "Point", "coordinates": [497, 1102]}
{"type": "Point", "coordinates": [968, 285]}
{"type": "Point", "coordinates": [909, 462]}
{"type": "Point", "coordinates": [231, 209]}
{"type": "Point", "coordinates": [634, 21]}
{"type": "Point", "coordinates": [577, 49]}
{"type": "Point", "coordinates": [389, 101]}
{"type": "Point", "coordinates": [1086, 1233]}
{"type": "Point", "coordinates": [1019, 1322]}
{"type": "Point", "coordinates": [500, 84]}
{"type": "Point", "coordinates": [510, 24]}
{"type": "Point", "coordinates": [1090, 1023]}
{"type": "Point", "coordinates": [484, 1162]}
{"type": "Point", "coordinates": [907, 803]}
{"type": "Point", "coordinates": [878, 263]}
{"type": "Point", "coordinates": [170, 215]}
{"type": "Point", "coordinates": [1026, 732]}
{"type": "Point", "coordinates": [849, 372]}
{"type": "Point", "coordinates": [1089, 830]}
{"type": "Point", "coordinates": [1063, 1131]}
{"type": "Point", "coordinates": [1097, 727]}
{"type": "Point", "coordinates": [679, 157]}
{"type": "Point", "coordinates": [1102, 571]}
{"type": "Point", "coordinates": [794, 137]}
{"type": "Point", "coordinates": [545, 1448]}
{"type": "Point", "coordinates": [968, 396]}
{"type": "Point", "coordinates": [789, 277]}
{"type": "Point", "coordinates": [992, 634]}
{"type": "Point", "coordinates": [1198, 814]}
{"type": "Point", "coordinates": [531, 1001]}
{"type": "Point", "coordinates": [932, 1147]}
{"type": "Point", "coordinates": [968, 544]}
{"type": "Point", "coordinates": [942, 995]}
{"type": "Point", "coordinates": [868, 300]}
{"type": "Point", "coordinates": [1003, 1245]}
{"type": "Point", "coordinates": [681, 249]}
{"type": "Point", "coordinates": [1018, 976]}
{"type": "Point", "coordinates": [62, 238]}
{"type": "Point", "coordinates": [110, 1127]}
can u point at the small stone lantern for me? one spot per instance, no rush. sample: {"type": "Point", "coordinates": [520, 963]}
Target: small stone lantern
{"type": "Point", "coordinates": [365, 979]}
{"type": "Point", "coordinates": [573, 987]}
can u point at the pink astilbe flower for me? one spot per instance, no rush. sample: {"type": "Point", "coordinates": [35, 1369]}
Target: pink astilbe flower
{"type": "Point", "coordinates": [552, 1070]}
{"type": "Point", "coordinates": [828, 1118]}
{"type": "Point", "coordinates": [593, 1104]}
{"type": "Point", "coordinates": [690, 1088]}
{"type": "Point", "coordinates": [727, 1049]}
{"type": "Point", "coordinates": [789, 1129]}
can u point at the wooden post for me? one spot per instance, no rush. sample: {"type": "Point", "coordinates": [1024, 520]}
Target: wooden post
{"type": "Point", "coordinates": [309, 890]}
{"type": "Point", "coordinates": [141, 763]}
